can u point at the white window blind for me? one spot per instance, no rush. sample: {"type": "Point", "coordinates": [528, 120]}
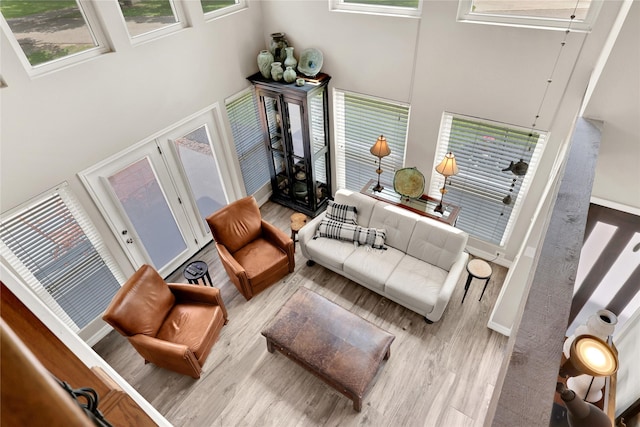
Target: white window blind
{"type": "Point", "coordinates": [359, 121]}
{"type": "Point", "coordinates": [247, 135]}
{"type": "Point", "coordinates": [53, 246]}
{"type": "Point", "coordinates": [482, 149]}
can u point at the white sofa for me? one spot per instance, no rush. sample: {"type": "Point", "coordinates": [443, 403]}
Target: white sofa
{"type": "Point", "coordinates": [419, 268]}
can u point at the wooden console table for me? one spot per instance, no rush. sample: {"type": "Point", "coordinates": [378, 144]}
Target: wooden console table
{"type": "Point", "coordinates": [424, 206]}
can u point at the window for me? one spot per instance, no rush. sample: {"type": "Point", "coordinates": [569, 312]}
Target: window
{"type": "Point", "coordinates": [359, 121]}
{"type": "Point", "coordinates": [48, 32]}
{"type": "Point", "coordinates": [54, 247]}
{"type": "Point", "coordinates": [247, 135]}
{"type": "Point", "coordinates": [536, 13]}
{"type": "Point", "coordinates": [151, 16]}
{"type": "Point", "coordinates": [383, 7]}
{"type": "Point", "coordinates": [490, 196]}
{"type": "Point", "coordinates": [215, 8]}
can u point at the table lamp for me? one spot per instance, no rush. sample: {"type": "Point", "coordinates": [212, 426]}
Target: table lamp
{"type": "Point", "coordinates": [447, 167]}
{"type": "Point", "coordinates": [380, 149]}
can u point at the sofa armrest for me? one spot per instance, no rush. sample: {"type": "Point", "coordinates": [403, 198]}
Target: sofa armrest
{"type": "Point", "coordinates": [448, 287]}
{"type": "Point", "coordinates": [307, 232]}
{"type": "Point", "coordinates": [168, 355]}
{"type": "Point", "coordinates": [196, 293]}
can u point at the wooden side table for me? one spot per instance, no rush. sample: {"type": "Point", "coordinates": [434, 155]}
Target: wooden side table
{"type": "Point", "coordinates": [298, 220]}
{"type": "Point", "coordinates": [477, 269]}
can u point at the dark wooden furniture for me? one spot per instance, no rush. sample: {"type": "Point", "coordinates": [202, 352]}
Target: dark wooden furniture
{"type": "Point", "coordinates": [197, 270]}
{"type": "Point", "coordinates": [334, 344]}
{"type": "Point", "coordinates": [56, 358]}
{"type": "Point", "coordinates": [295, 122]}
{"type": "Point", "coordinates": [424, 206]}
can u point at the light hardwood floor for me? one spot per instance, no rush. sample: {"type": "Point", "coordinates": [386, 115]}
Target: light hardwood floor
{"type": "Point", "coordinates": [438, 375]}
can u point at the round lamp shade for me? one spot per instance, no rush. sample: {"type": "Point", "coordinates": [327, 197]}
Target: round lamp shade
{"type": "Point", "coordinates": [592, 356]}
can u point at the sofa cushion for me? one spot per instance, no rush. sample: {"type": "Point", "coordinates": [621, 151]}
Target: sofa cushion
{"type": "Point", "coordinates": [372, 267]}
{"type": "Point", "coordinates": [397, 222]}
{"type": "Point", "coordinates": [352, 233]}
{"type": "Point", "coordinates": [436, 243]}
{"type": "Point", "coordinates": [329, 252]}
{"type": "Point", "coordinates": [341, 212]}
{"type": "Point", "coordinates": [416, 282]}
{"type": "Point", "coordinates": [364, 204]}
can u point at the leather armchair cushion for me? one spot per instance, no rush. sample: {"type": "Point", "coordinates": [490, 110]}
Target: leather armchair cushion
{"type": "Point", "coordinates": [191, 324]}
{"type": "Point", "coordinates": [141, 305]}
{"type": "Point", "coordinates": [237, 225]}
{"type": "Point", "coordinates": [261, 258]}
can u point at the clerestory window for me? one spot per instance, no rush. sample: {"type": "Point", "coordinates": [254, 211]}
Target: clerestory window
{"type": "Point", "coordinates": [535, 13]}
{"type": "Point", "coordinates": [50, 34]}
{"type": "Point", "coordinates": [379, 7]}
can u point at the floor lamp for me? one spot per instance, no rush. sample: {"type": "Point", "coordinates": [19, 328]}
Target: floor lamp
{"type": "Point", "coordinates": [447, 167]}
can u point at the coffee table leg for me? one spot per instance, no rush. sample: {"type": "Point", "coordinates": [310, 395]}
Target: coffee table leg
{"type": "Point", "coordinates": [270, 347]}
{"type": "Point", "coordinates": [357, 404]}
{"type": "Point", "coordinates": [388, 355]}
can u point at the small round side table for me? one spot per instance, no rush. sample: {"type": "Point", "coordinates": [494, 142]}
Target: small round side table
{"type": "Point", "coordinates": [298, 220]}
{"type": "Point", "coordinates": [197, 270]}
{"type": "Point", "coordinates": [477, 269]}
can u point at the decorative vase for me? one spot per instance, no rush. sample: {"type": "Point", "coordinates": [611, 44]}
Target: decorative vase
{"type": "Point", "coordinates": [276, 71]}
{"type": "Point", "coordinates": [277, 47]}
{"type": "Point", "coordinates": [289, 75]}
{"type": "Point", "coordinates": [265, 59]}
{"type": "Point", "coordinates": [290, 61]}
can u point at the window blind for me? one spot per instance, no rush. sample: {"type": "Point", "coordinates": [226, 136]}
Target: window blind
{"type": "Point", "coordinates": [53, 246]}
{"type": "Point", "coordinates": [482, 149]}
{"type": "Point", "coordinates": [359, 121]}
{"type": "Point", "coordinates": [247, 136]}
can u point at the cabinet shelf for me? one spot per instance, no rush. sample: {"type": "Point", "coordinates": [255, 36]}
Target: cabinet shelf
{"type": "Point", "coordinates": [296, 132]}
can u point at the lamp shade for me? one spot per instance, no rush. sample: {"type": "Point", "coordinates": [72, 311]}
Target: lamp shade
{"type": "Point", "coordinates": [448, 166]}
{"type": "Point", "coordinates": [590, 355]}
{"type": "Point", "coordinates": [380, 148]}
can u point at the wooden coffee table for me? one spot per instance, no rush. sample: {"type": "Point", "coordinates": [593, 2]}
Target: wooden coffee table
{"type": "Point", "coordinates": [334, 344]}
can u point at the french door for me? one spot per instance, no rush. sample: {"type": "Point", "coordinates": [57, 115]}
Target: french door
{"type": "Point", "coordinates": [156, 195]}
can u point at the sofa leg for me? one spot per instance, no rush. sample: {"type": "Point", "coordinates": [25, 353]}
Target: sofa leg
{"type": "Point", "coordinates": [429, 322]}
{"type": "Point", "coordinates": [310, 263]}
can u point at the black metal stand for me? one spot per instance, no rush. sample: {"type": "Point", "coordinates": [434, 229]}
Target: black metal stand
{"type": "Point", "coordinates": [378, 187]}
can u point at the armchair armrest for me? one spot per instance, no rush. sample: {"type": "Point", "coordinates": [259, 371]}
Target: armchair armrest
{"type": "Point", "coordinates": [197, 293]}
{"type": "Point", "coordinates": [236, 272]}
{"type": "Point", "coordinates": [448, 287]}
{"type": "Point", "coordinates": [168, 355]}
{"type": "Point", "coordinates": [280, 239]}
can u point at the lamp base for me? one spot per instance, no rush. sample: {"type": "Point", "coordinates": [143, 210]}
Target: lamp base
{"type": "Point", "coordinates": [439, 208]}
{"type": "Point", "coordinates": [378, 188]}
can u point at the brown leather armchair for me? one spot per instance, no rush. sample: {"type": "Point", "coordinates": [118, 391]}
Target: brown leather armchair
{"type": "Point", "coordinates": [254, 253]}
{"type": "Point", "coordinates": [171, 325]}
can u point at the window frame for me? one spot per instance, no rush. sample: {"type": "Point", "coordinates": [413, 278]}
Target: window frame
{"type": "Point", "coordinates": [81, 218]}
{"type": "Point", "coordinates": [340, 142]}
{"type": "Point", "coordinates": [442, 147]}
{"type": "Point", "coordinates": [98, 33]}
{"type": "Point", "coordinates": [228, 10]}
{"type": "Point", "coordinates": [180, 13]}
{"type": "Point", "coordinates": [407, 12]}
{"type": "Point", "coordinates": [258, 139]}
{"type": "Point", "coordinates": [465, 14]}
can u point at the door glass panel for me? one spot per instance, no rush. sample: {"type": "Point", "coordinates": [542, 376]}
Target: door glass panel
{"type": "Point", "coordinates": [295, 121]}
{"type": "Point", "coordinates": [139, 192]}
{"type": "Point", "coordinates": [201, 169]}
{"type": "Point", "coordinates": [144, 16]}
{"type": "Point", "coordinates": [320, 175]}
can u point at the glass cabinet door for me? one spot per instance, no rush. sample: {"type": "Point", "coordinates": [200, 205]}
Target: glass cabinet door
{"type": "Point", "coordinates": [273, 116]}
{"type": "Point", "coordinates": [317, 122]}
{"type": "Point", "coordinates": [298, 162]}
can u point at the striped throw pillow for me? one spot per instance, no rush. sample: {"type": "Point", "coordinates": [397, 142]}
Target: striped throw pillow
{"type": "Point", "coordinates": [342, 213]}
{"type": "Point", "coordinates": [353, 233]}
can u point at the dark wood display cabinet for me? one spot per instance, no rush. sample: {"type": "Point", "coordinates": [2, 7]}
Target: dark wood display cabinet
{"type": "Point", "coordinates": [295, 122]}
